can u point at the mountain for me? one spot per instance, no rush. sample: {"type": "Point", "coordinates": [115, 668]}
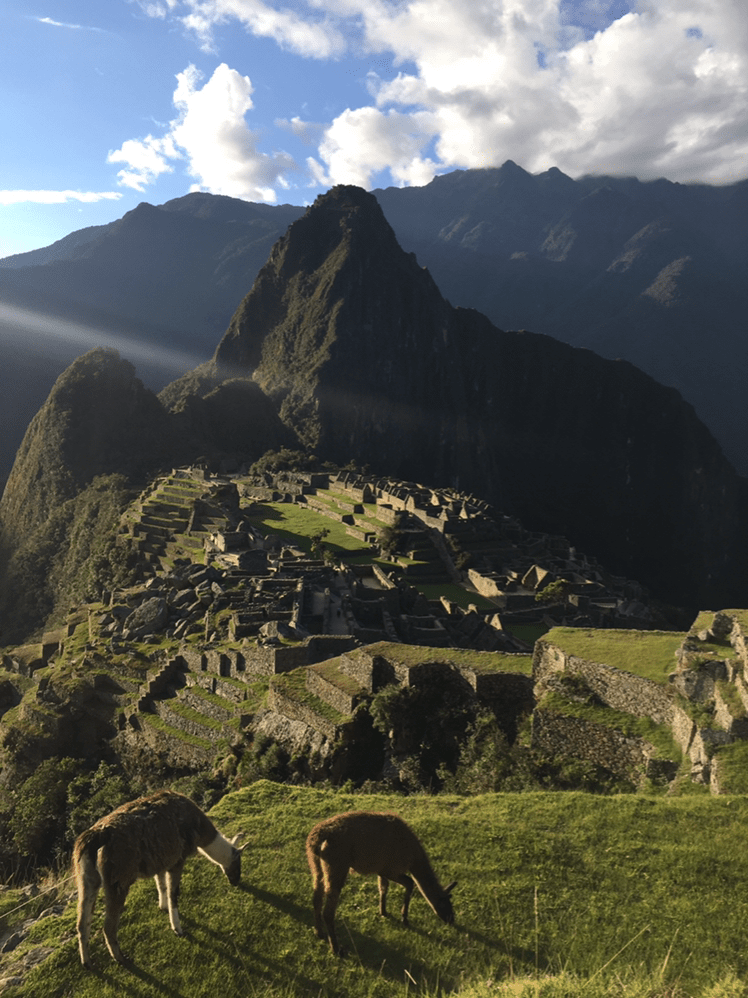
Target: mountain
{"type": "Point", "coordinates": [650, 272]}
{"type": "Point", "coordinates": [159, 285]}
{"type": "Point", "coordinates": [366, 361]}
{"type": "Point", "coordinates": [100, 433]}
{"type": "Point", "coordinates": [346, 348]}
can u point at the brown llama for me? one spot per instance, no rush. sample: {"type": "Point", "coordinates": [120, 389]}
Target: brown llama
{"type": "Point", "coordinates": [369, 842]}
{"type": "Point", "coordinates": [148, 837]}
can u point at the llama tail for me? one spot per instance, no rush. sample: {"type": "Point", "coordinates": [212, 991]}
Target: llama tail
{"type": "Point", "coordinates": [88, 882]}
{"type": "Point", "coordinates": [85, 852]}
{"type": "Point", "coordinates": [315, 847]}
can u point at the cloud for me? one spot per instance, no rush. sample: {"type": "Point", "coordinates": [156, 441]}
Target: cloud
{"type": "Point", "coordinates": [308, 132]}
{"type": "Point", "coordinates": [146, 159]}
{"type": "Point", "coordinates": [211, 134]}
{"type": "Point", "coordinates": [315, 35]}
{"type": "Point", "coordinates": [56, 197]}
{"type": "Point", "coordinates": [362, 142]}
{"type": "Point", "coordinates": [157, 8]}
{"type": "Point", "coordinates": [63, 24]}
{"type": "Point", "coordinates": [647, 87]}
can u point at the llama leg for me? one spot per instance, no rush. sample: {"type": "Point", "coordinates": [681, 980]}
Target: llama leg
{"type": "Point", "coordinates": [383, 887]}
{"type": "Point", "coordinates": [87, 894]}
{"type": "Point", "coordinates": [115, 903]}
{"type": "Point", "coordinates": [334, 882]}
{"type": "Point", "coordinates": [163, 896]}
{"type": "Point", "coordinates": [318, 895]}
{"type": "Point", "coordinates": [173, 879]}
{"type": "Point", "coordinates": [408, 884]}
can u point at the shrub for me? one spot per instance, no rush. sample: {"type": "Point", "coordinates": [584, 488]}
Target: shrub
{"type": "Point", "coordinates": [426, 725]}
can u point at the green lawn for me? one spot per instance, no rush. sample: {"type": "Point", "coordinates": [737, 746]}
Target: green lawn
{"type": "Point", "coordinates": [298, 525]}
{"type": "Point", "coordinates": [650, 654]}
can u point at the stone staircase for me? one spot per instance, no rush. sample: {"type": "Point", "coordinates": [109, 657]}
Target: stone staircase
{"type": "Point", "coordinates": [201, 704]}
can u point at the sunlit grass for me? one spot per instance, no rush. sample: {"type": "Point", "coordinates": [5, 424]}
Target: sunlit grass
{"type": "Point", "coordinates": [298, 525]}
{"type": "Point", "coordinates": [558, 895]}
{"type": "Point", "coordinates": [649, 654]}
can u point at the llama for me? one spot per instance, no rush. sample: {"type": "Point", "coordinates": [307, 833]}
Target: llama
{"type": "Point", "coordinates": [148, 837]}
{"type": "Point", "coordinates": [369, 842]}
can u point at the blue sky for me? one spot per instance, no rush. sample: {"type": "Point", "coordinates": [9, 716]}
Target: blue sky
{"type": "Point", "coordinates": [109, 104]}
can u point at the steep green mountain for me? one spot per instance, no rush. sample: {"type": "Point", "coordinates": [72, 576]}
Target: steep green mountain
{"type": "Point", "coordinates": [161, 283]}
{"type": "Point", "coordinates": [99, 433]}
{"type": "Point", "coordinates": [366, 361]}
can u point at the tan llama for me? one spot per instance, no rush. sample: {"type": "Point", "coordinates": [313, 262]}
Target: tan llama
{"type": "Point", "coordinates": [369, 842]}
{"type": "Point", "coordinates": [148, 837]}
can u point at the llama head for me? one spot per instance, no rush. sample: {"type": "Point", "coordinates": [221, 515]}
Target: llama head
{"type": "Point", "coordinates": [443, 904]}
{"type": "Point", "coordinates": [233, 869]}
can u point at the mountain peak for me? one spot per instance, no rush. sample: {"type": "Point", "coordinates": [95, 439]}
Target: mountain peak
{"type": "Point", "coordinates": [366, 361]}
{"type": "Point", "coordinates": [346, 197]}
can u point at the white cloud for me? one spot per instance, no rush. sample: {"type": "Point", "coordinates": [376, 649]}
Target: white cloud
{"type": "Point", "coordinates": [315, 35]}
{"type": "Point", "coordinates": [659, 90]}
{"type": "Point", "coordinates": [645, 87]}
{"type": "Point", "coordinates": [211, 134]}
{"type": "Point", "coordinates": [56, 197]}
{"type": "Point", "coordinates": [157, 8]}
{"type": "Point", "coordinates": [308, 132]}
{"type": "Point", "coordinates": [64, 24]}
{"type": "Point", "coordinates": [146, 159]}
{"type": "Point", "coordinates": [362, 142]}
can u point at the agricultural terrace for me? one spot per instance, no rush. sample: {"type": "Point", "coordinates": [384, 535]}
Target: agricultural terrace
{"type": "Point", "coordinates": [649, 654]}
{"type": "Point", "coordinates": [464, 658]}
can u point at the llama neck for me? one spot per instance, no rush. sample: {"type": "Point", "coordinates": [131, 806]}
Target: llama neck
{"type": "Point", "coordinates": [219, 850]}
{"type": "Point", "coordinates": [424, 876]}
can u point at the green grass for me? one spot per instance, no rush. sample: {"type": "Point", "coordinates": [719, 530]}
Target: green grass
{"type": "Point", "coordinates": [154, 721]}
{"type": "Point", "coordinates": [190, 714]}
{"type": "Point", "coordinates": [529, 633]}
{"type": "Point", "coordinates": [331, 671]}
{"type": "Point", "coordinates": [733, 767]}
{"type": "Point", "coordinates": [480, 661]}
{"type": "Point", "coordinates": [558, 895]}
{"type": "Point", "coordinates": [298, 525]}
{"type": "Point", "coordinates": [293, 685]}
{"type": "Point", "coordinates": [649, 654]}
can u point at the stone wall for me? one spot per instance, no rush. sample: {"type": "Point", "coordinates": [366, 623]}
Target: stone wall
{"type": "Point", "coordinates": [617, 689]}
{"type": "Point", "coordinates": [630, 758]}
{"type": "Point", "coordinates": [297, 711]}
{"type": "Point", "coordinates": [269, 661]}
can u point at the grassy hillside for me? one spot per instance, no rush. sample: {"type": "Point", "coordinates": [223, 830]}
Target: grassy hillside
{"type": "Point", "coordinates": [558, 894]}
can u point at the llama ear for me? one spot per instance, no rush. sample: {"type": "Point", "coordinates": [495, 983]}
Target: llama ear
{"type": "Point", "coordinates": [236, 839]}
{"type": "Point", "coordinates": [448, 890]}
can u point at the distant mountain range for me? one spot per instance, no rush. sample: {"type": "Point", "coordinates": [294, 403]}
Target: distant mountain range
{"type": "Point", "coordinates": [345, 348]}
{"type": "Point", "coordinates": [654, 273]}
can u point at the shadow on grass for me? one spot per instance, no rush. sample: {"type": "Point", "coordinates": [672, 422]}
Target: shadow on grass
{"type": "Point", "coordinates": [515, 955]}
{"type": "Point", "coordinates": [262, 512]}
{"type": "Point", "coordinates": [118, 984]}
{"type": "Point", "coordinates": [377, 956]}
